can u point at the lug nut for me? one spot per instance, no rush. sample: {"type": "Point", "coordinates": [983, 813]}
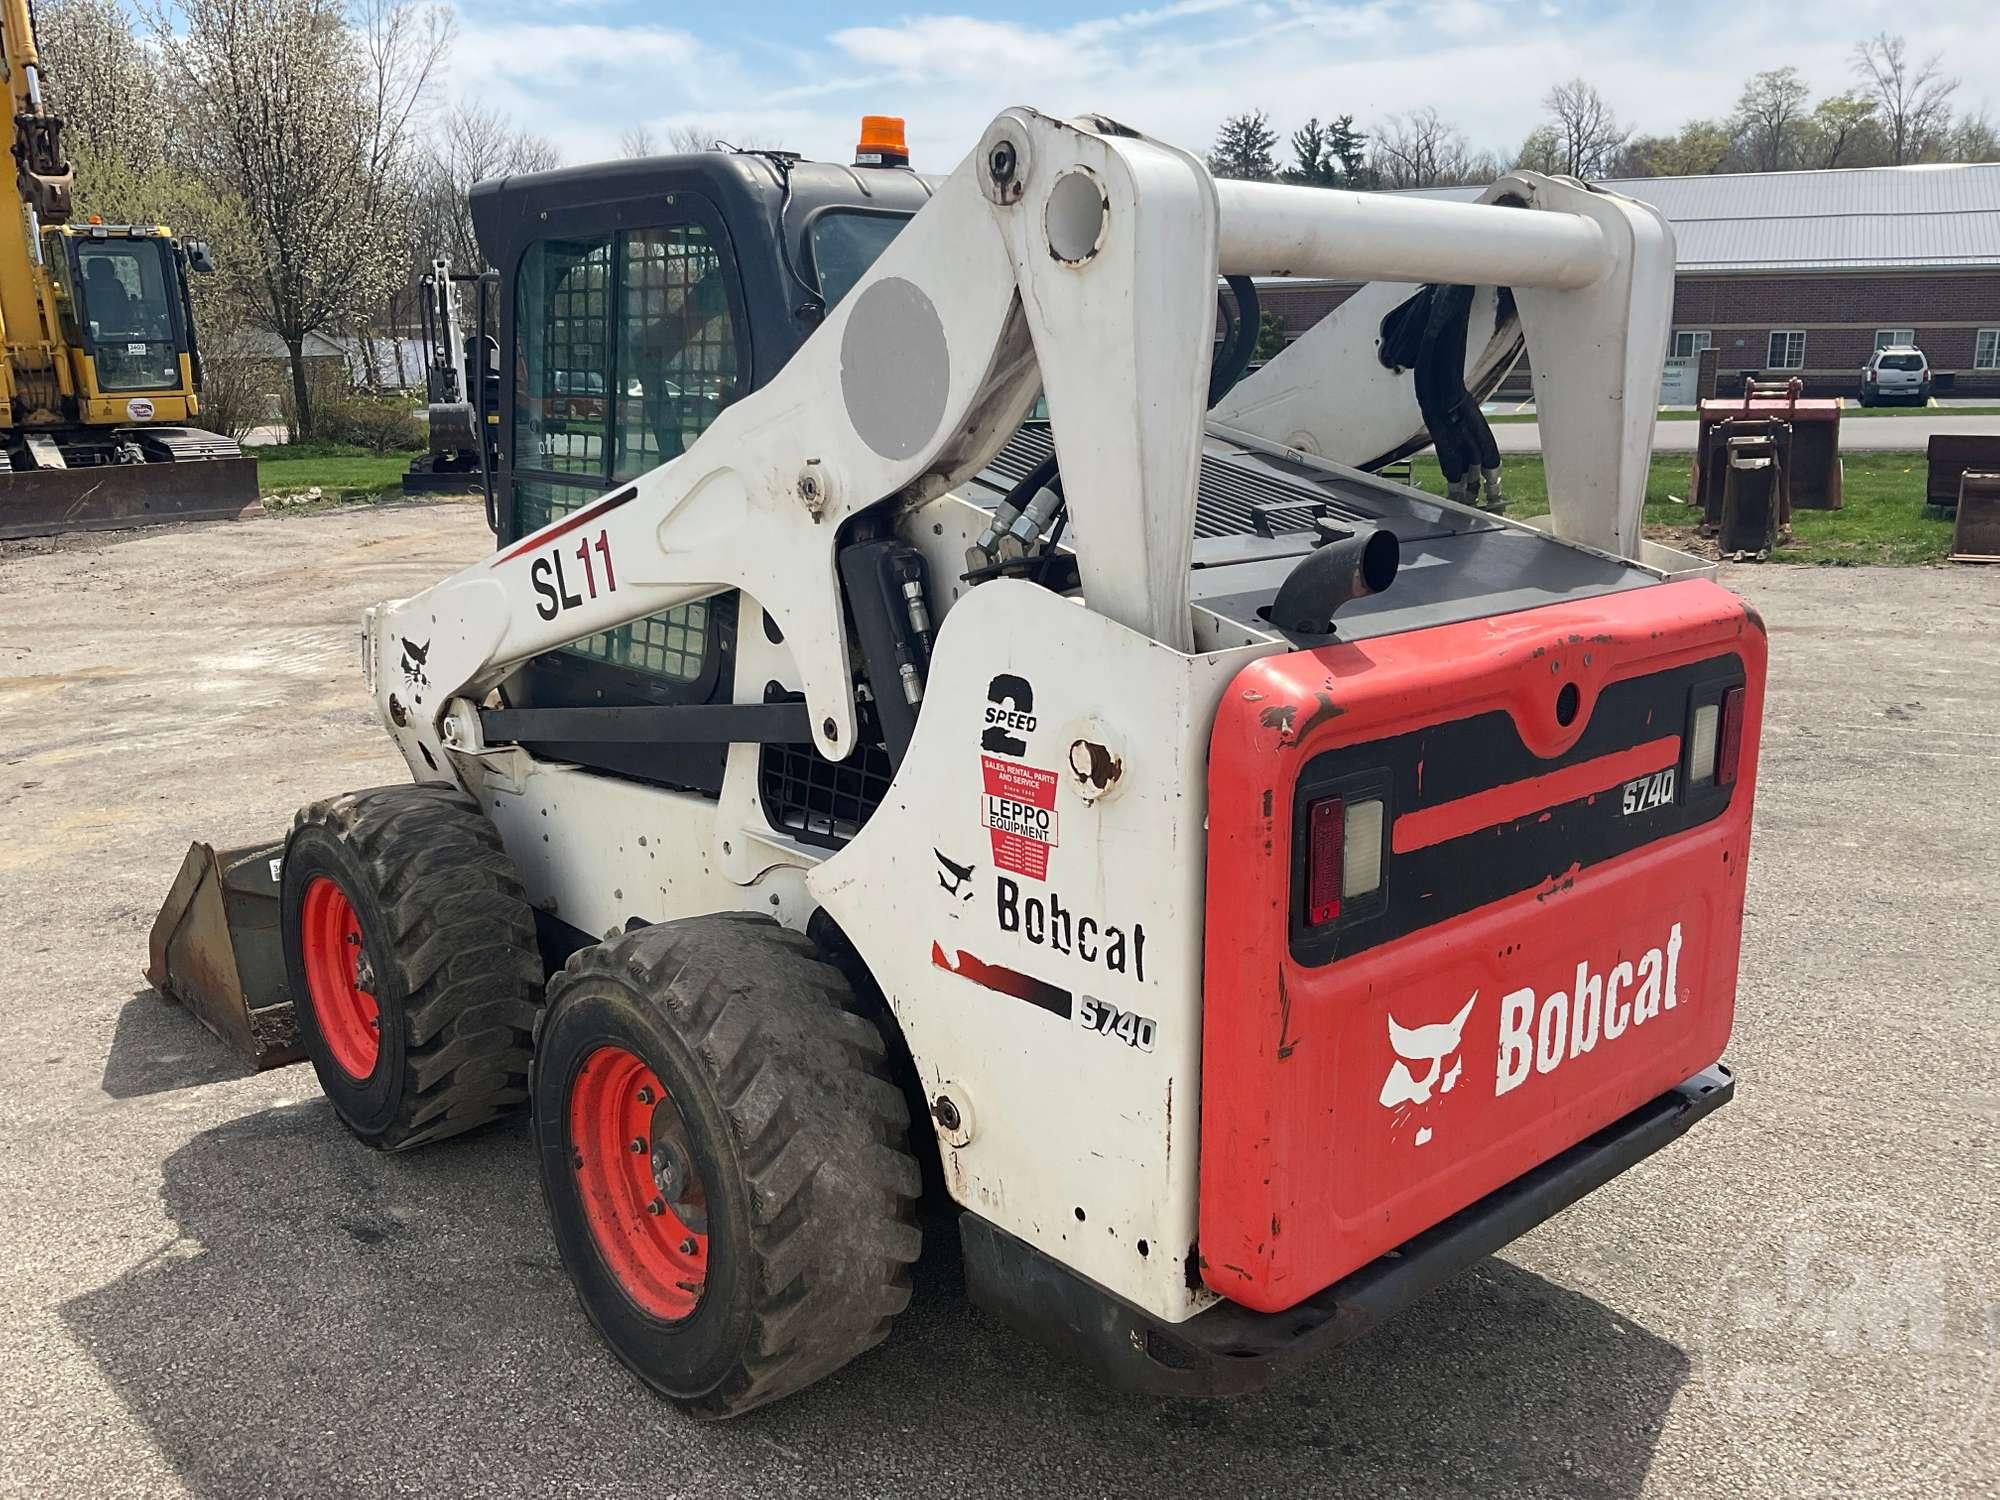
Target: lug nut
{"type": "Point", "coordinates": [638, 1146]}
{"type": "Point", "coordinates": [657, 1207]}
{"type": "Point", "coordinates": [687, 1247]}
{"type": "Point", "coordinates": [645, 1096]}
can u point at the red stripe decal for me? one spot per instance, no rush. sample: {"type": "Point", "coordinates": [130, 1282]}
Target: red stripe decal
{"type": "Point", "coordinates": [565, 526]}
{"type": "Point", "coordinates": [1004, 981]}
{"type": "Point", "coordinates": [1503, 804]}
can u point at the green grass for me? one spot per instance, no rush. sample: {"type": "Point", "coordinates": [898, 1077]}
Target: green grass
{"type": "Point", "coordinates": [342, 472]}
{"type": "Point", "coordinates": [1883, 520]}
{"type": "Point", "coordinates": [1848, 413]}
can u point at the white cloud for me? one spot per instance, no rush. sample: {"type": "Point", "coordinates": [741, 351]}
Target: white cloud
{"type": "Point", "coordinates": [1177, 69]}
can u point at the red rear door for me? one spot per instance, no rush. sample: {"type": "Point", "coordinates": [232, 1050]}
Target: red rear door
{"type": "Point", "coordinates": [1473, 893]}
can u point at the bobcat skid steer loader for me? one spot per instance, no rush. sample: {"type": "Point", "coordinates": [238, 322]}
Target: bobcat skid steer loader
{"type": "Point", "coordinates": [1262, 889]}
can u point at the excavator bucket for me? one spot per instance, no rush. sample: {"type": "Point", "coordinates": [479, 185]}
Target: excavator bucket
{"type": "Point", "coordinates": [215, 948]}
{"type": "Point", "coordinates": [42, 502]}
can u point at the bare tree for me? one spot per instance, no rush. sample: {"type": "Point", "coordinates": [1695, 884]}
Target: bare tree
{"type": "Point", "coordinates": [638, 140]}
{"type": "Point", "coordinates": [1912, 100]}
{"type": "Point", "coordinates": [1420, 150]}
{"type": "Point", "coordinates": [1588, 135]}
{"type": "Point", "coordinates": [696, 137]}
{"type": "Point", "coordinates": [307, 112]}
{"type": "Point", "coordinates": [1770, 118]}
{"type": "Point", "coordinates": [469, 144]}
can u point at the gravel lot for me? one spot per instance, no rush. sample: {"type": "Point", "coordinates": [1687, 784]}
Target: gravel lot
{"type": "Point", "coordinates": [211, 1290]}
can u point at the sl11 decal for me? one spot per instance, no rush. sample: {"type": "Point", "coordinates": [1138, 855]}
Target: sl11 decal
{"type": "Point", "coordinates": [1108, 1020]}
{"type": "Point", "coordinates": [1018, 807]}
{"type": "Point", "coordinates": [546, 574]}
{"type": "Point", "coordinates": [1644, 793]}
{"type": "Point", "coordinates": [1047, 923]}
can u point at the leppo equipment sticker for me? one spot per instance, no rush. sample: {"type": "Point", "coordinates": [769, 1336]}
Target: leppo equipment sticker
{"type": "Point", "coordinates": [1019, 808]}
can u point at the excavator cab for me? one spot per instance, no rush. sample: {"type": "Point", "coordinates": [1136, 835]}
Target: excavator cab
{"type": "Point", "coordinates": [127, 304]}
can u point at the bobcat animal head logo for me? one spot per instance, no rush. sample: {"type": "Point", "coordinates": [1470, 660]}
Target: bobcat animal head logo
{"type": "Point", "coordinates": [1428, 1047]}
{"type": "Point", "coordinates": [415, 653]}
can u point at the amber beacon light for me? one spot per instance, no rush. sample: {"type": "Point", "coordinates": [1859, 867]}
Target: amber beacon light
{"type": "Point", "coordinates": [882, 142]}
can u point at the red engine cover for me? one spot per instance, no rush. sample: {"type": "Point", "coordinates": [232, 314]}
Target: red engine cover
{"type": "Point", "coordinates": [1546, 952]}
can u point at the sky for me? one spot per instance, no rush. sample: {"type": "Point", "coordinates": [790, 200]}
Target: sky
{"type": "Point", "coordinates": [799, 76]}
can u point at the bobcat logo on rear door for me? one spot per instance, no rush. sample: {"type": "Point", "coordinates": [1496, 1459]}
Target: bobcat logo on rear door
{"type": "Point", "coordinates": [1428, 1046]}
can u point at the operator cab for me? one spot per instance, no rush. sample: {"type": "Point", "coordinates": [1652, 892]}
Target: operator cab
{"type": "Point", "coordinates": [126, 289]}
{"type": "Point", "coordinates": [637, 300]}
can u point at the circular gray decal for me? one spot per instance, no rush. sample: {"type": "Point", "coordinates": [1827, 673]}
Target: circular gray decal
{"type": "Point", "coordinates": [895, 368]}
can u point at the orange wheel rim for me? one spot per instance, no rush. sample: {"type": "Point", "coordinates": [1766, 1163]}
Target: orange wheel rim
{"type": "Point", "coordinates": [643, 1198]}
{"type": "Point", "coordinates": [339, 978]}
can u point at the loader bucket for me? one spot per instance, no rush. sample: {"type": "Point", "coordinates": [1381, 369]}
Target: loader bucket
{"type": "Point", "coordinates": [43, 502]}
{"type": "Point", "coordinates": [216, 948]}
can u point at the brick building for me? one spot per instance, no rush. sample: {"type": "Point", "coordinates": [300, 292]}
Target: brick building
{"type": "Point", "coordinates": [1805, 273]}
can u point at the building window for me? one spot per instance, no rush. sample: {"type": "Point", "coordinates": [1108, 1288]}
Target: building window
{"type": "Point", "coordinates": [1904, 338]}
{"type": "Point", "coordinates": [1986, 350]}
{"type": "Point", "coordinates": [1688, 343]}
{"type": "Point", "coordinates": [1787, 350]}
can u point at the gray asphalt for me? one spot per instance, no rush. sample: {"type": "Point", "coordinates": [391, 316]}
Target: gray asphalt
{"type": "Point", "coordinates": [1897, 433]}
{"type": "Point", "coordinates": [210, 1290]}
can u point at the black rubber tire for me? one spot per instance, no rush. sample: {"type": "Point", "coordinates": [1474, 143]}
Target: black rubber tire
{"type": "Point", "coordinates": [451, 937]}
{"type": "Point", "coordinates": [799, 1135]}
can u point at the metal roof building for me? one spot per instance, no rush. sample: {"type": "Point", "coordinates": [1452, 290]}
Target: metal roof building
{"type": "Point", "coordinates": [1867, 217]}
{"type": "Point", "coordinates": [1807, 273]}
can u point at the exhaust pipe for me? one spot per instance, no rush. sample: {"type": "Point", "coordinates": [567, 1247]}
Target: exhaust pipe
{"type": "Point", "coordinates": [1350, 565]}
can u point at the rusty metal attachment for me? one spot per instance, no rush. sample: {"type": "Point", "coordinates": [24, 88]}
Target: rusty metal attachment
{"type": "Point", "coordinates": [216, 948]}
{"type": "Point", "coordinates": [1975, 534]}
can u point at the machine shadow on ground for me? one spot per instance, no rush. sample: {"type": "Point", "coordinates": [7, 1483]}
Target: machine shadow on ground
{"type": "Point", "coordinates": [157, 1047]}
{"type": "Point", "coordinates": [330, 1320]}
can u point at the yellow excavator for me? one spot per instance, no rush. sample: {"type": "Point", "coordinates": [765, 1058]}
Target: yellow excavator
{"type": "Point", "coordinates": [102, 373]}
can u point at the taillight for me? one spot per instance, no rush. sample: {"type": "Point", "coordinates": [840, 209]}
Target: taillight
{"type": "Point", "coordinates": [1343, 854]}
{"type": "Point", "coordinates": [1729, 746]}
{"type": "Point", "coordinates": [1326, 833]}
{"type": "Point", "coordinates": [1715, 740]}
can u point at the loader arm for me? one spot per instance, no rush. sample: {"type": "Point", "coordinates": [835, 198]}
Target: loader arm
{"type": "Point", "coordinates": [910, 386]}
{"type": "Point", "coordinates": [1073, 258]}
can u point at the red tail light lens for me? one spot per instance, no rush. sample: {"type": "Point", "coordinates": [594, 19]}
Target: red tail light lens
{"type": "Point", "coordinates": [1326, 832]}
{"type": "Point", "coordinates": [1729, 742]}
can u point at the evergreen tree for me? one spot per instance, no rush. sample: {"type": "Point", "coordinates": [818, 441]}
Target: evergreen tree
{"type": "Point", "coordinates": [1244, 147]}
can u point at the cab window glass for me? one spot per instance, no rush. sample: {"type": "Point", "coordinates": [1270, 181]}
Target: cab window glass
{"type": "Point", "coordinates": [845, 245]}
{"type": "Point", "coordinates": [129, 316]}
{"type": "Point", "coordinates": [625, 351]}
{"type": "Point", "coordinates": [677, 359]}
{"type": "Point", "coordinates": [563, 356]}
